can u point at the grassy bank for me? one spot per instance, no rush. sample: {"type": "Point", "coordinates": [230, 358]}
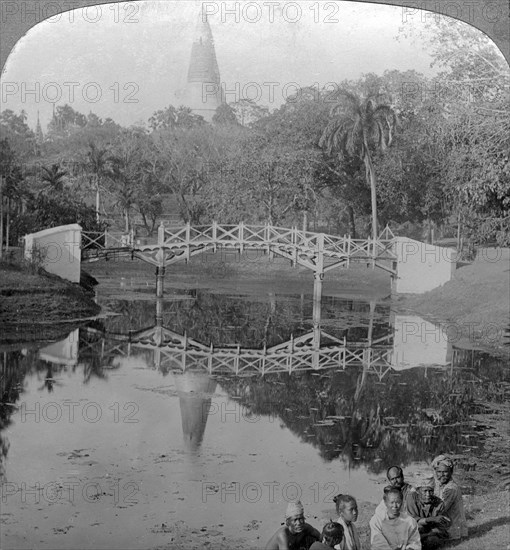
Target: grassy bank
{"type": "Point", "coordinates": [475, 303]}
{"type": "Point", "coordinates": [35, 304]}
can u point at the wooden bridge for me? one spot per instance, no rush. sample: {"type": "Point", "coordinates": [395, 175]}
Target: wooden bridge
{"type": "Point", "coordinates": [319, 252]}
{"type": "Point", "coordinates": [177, 352]}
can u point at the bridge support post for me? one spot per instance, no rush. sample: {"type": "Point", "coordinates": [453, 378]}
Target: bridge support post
{"type": "Point", "coordinates": [316, 317]}
{"type": "Point", "coordinates": [215, 236]}
{"type": "Point", "coordinates": [241, 237]}
{"type": "Point", "coordinates": [158, 329]}
{"type": "Point", "coordinates": [319, 266]}
{"type": "Point", "coordinates": [161, 234]}
{"type": "Point", "coordinates": [160, 281]}
{"type": "Point", "coordinates": [294, 261]}
{"type": "Point", "coordinates": [188, 242]}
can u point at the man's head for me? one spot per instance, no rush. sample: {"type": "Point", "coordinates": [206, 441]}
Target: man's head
{"type": "Point", "coordinates": [393, 501]}
{"type": "Point", "coordinates": [332, 534]}
{"type": "Point", "coordinates": [395, 476]}
{"type": "Point", "coordinates": [295, 517]}
{"type": "Point", "coordinates": [425, 494]}
{"type": "Point", "coordinates": [443, 467]}
{"type": "Point", "coordinates": [425, 484]}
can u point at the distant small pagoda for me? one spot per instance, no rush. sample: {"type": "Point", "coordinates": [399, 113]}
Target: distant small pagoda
{"type": "Point", "coordinates": [203, 87]}
{"type": "Point", "coordinates": [39, 136]}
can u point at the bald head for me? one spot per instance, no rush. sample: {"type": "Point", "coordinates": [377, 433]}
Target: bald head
{"type": "Point", "coordinates": [395, 476]}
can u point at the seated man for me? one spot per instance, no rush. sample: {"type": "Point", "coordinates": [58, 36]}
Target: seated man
{"type": "Point", "coordinates": [451, 495]}
{"type": "Point", "coordinates": [394, 531]}
{"type": "Point", "coordinates": [332, 534]}
{"type": "Point", "coordinates": [295, 534]}
{"type": "Point", "coordinates": [395, 476]}
{"type": "Point", "coordinates": [428, 511]}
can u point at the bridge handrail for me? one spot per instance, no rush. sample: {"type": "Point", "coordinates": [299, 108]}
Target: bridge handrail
{"type": "Point", "coordinates": [245, 235]}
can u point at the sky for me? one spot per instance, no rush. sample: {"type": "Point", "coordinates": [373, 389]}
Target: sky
{"type": "Point", "coordinates": [126, 61]}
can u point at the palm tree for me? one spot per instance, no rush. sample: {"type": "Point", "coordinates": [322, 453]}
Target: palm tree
{"type": "Point", "coordinates": [357, 127]}
{"type": "Point", "coordinates": [54, 177]}
{"type": "Point", "coordinates": [98, 163]}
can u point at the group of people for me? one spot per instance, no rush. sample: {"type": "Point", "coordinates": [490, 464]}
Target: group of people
{"type": "Point", "coordinates": [408, 517]}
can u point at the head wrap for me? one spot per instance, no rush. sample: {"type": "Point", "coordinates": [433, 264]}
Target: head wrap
{"type": "Point", "coordinates": [294, 509]}
{"type": "Point", "coordinates": [424, 479]}
{"type": "Point", "coordinates": [442, 460]}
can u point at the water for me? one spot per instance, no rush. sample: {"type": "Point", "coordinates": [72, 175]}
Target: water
{"type": "Point", "coordinates": [111, 440]}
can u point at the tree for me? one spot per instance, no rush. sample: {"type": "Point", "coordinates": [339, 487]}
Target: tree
{"type": "Point", "coordinates": [248, 112]}
{"type": "Point", "coordinates": [64, 120]}
{"type": "Point", "coordinates": [54, 178]}
{"type": "Point", "coordinates": [357, 128]}
{"type": "Point", "coordinates": [98, 164]}
{"type": "Point", "coordinates": [11, 178]}
{"type": "Point", "coordinates": [124, 172]}
{"type": "Point", "coordinates": [224, 115]}
{"type": "Point", "coordinates": [21, 138]}
{"type": "Point", "coordinates": [472, 90]}
{"type": "Point", "coordinates": [136, 169]}
{"type": "Point", "coordinates": [182, 117]}
{"type": "Point", "coordinates": [150, 188]}
{"type": "Point", "coordinates": [190, 156]}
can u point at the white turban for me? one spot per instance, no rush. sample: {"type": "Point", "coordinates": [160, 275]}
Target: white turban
{"type": "Point", "coordinates": [424, 479]}
{"type": "Point", "coordinates": [294, 509]}
{"type": "Point", "coordinates": [443, 460]}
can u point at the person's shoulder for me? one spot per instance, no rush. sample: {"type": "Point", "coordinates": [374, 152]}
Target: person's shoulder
{"type": "Point", "coordinates": [412, 495]}
{"type": "Point", "coordinates": [377, 518]}
{"type": "Point", "coordinates": [341, 521]}
{"type": "Point", "coordinates": [281, 533]}
{"type": "Point", "coordinates": [451, 486]}
{"type": "Point", "coordinates": [409, 520]}
{"type": "Point", "coordinates": [277, 539]}
{"type": "Point", "coordinates": [380, 509]}
{"type": "Point", "coordinates": [311, 530]}
{"type": "Point", "coordinates": [283, 530]}
{"type": "Point", "coordinates": [319, 546]}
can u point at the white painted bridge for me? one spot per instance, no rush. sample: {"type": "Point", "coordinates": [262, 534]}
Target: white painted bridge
{"type": "Point", "coordinates": [319, 252]}
{"type": "Point", "coordinates": [415, 267]}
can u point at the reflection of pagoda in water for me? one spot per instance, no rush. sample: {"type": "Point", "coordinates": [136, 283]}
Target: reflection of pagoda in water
{"type": "Point", "coordinates": [338, 406]}
{"type": "Point", "coordinates": [381, 351]}
{"type": "Point", "coordinates": [195, 390]}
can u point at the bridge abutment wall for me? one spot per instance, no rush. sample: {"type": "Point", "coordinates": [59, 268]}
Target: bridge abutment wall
{"type": "Point", "coordinates": [420, 266]}
{"type": "Point", "coordinates": [57, 250]}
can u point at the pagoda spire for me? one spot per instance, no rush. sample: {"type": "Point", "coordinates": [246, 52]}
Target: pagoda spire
{"type": "Point", "coordinates": [203, 88]}
{"type": "Point", "coordinates": [39, 136]}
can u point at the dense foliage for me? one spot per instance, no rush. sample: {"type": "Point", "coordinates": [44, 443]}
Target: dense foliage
{"type": "Point", "coordinates": [426, 156]}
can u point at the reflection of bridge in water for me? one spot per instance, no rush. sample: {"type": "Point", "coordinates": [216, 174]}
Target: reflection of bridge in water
{"type": "Point", "coordinates": [173, 351]}
{"type": "Point", "coordinates": [412, 342]}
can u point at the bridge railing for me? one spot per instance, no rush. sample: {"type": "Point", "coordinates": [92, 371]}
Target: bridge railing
{"type": "Point", "coordinates": [243, 236]}
{"type": "Point", "coordinates": [93, 239]}
{"type": "Point", "coordinates": [103, 240]}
